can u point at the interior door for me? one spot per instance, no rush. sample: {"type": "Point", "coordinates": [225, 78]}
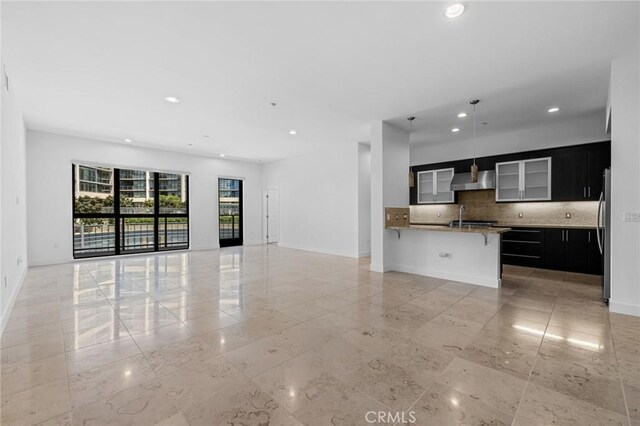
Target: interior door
{"type": "Point", "coordinates": [272, 218]}
{"type": "Point", "coordinates": [230, 212]}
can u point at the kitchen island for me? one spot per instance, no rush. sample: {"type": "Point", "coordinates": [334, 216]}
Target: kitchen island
{"type": "Point", "coordinates": [467, 254]}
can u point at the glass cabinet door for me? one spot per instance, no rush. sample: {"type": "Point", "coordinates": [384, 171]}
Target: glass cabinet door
{"type": "Point", "coordinates": [425, 187]}
{"type": "Point", "coordinates": [444, 194]}
{"type": "Point", "coordinates": [508, 181]}
{"type": "Point", "coordinates": [537, 179]}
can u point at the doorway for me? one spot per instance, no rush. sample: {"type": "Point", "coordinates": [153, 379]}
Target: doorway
{"type": "Point", "coordinates": [272, 217]}
{"type": "Point", "coordinates": [230, 212]}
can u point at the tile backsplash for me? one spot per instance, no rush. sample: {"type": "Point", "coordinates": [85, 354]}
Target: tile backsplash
{"type": "Point", "coordinates": [481, 205]}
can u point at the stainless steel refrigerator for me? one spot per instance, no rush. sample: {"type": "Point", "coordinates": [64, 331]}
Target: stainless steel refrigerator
{"type": "Point", "coordinates": [604, 232]}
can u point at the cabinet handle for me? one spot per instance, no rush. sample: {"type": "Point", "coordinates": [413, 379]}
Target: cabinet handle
{"type": "Point", "coordinates": [589, 191]}
{"type": "Point", "coordinates": [567, 235]}
{"type": "Point", "coordinates": [584, 192]}
{"type": "Point", "coordinates": [563, 235]}
{"type": "Point", "coordinates": [589, 234]}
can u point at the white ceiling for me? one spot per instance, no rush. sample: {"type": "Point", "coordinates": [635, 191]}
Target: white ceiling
{"type": "Point", "coordinates": [102, 69]}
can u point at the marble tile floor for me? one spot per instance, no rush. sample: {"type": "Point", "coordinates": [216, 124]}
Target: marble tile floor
{"type": "Point", "coordinates": [270, 336]}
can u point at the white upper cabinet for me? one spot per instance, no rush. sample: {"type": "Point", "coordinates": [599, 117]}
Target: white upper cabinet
{"type": "Point", "coordinates": [434, 187]}
{"type": "Point", "coordinates": [526, 180]}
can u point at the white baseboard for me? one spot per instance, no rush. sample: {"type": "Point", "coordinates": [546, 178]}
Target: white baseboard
{"type": "Point", "coordinates": [379, 268]}
{"type": "Point", "coordinates": [205, 247]}
{"type": "Point", "coordinates": [624, 308]}
{"type": "Point", "coordinates": [364, 254]}
{"type": "Point", "coordinates": [253, 243]}
{"type": "Point", "coordinates": [316, 249]}
{"type": "Point", "coordinates": [469, 279]}
{"type": "Point", "coordinates": [48, 262]}
{"type": "Point", "coordinates": [12, 299]}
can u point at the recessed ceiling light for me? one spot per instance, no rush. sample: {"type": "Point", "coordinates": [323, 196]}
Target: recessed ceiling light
{"type": "Point", "coordinates": [221, 155]}
{"type": "Point", "coordinates": [455, 130]}
{"type": "Point", "coordinates": [553, 109]}
{"type": "Point", "coordinates": [205, 136]}
{"type": "Point", "coordinates": [462, 115]}
{"type": "Point", "coordinates": [454, 10]}
{"type": "Point", "coordinates": [128, 140]}
{"type": "Point", "coordinates": [172, 99]}
{"type": "Point", "coordinates": [292, 132]}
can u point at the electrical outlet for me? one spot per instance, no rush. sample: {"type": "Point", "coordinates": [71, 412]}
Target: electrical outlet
{"type": "Point", "coordinates": [446, 255]}
{"type": "Point", "coordinates": [631, 217]}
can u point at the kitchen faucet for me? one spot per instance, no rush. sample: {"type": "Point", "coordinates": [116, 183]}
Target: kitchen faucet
{"type": "Point", "coordinates": [460, 221]}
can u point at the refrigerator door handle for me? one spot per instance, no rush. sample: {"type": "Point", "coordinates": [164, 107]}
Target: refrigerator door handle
{"type": "Point", "coordinates": [599, 228]}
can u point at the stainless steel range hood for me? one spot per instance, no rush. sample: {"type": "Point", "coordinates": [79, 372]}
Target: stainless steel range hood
{"type": "Point", "coordinates": [462, 181]}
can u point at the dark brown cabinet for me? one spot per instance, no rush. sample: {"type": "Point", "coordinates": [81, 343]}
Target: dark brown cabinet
{"type": "Point", "coordinates": [566, 249]}
{"type": "Point", "coordinates": [523, 247]}
{"type": "Point", "coordinates": [568, 176]}
{"type": "Point", "coordinates": [573, 250]}
{"type": "Point", "coordinates": [577, 173]}
{"type": "Point", "coordinates": [554, 250]}
{"type": "Point", "coordinates": [598, 160]}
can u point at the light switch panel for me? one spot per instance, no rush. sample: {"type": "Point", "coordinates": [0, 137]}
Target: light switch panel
{"type": "Point", "coordinates": [631, 217]}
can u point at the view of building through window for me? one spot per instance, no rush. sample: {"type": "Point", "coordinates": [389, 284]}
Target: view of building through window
{"type": "Point", "coordinates": [118, 211]}
{"type": "Point", "coordinates": [230, 211]}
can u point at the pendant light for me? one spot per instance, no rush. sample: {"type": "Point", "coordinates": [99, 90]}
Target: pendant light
{"type": "Point", "coordinates": [474, 166]}
{"type": "Point", "coordinates": [411, 176]}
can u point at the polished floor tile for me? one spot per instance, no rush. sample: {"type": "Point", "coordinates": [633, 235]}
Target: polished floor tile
{"type": "Point", "coordinates": [543, 406]}
{"type": "Point", "coordinates": [473, 380]}
{"type": "Point", "coordinates": [266, 335]}
{"type": "Point", "coordinates": [441, 405]}
{"type": "Point", "coordinates": [36, 404]}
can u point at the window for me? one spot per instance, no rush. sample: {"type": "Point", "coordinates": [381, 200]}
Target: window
{"type": "Point", "coordinates": [117, 211]}
{"type": "Point", "coordinates": [230, 212]}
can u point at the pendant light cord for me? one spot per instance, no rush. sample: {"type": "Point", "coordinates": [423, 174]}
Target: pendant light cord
{"type": "Point", "coordinates": [474, 133]}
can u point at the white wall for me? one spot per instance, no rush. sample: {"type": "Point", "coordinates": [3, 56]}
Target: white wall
{"type": "Point", "coordinates": [49, 186]}
{"type": "Point", "coordinates": [389, 186]}
{"type": "Point", "coordinates": [584, 129]}
{"type": "Point", "coordinates": [13, 223]}
{"type": "Point", "coordinates": [625, 184]}
{"type": "Point", "coordinates": [364, 200]}
{"type": "Point", "coordinates": [318, 199]}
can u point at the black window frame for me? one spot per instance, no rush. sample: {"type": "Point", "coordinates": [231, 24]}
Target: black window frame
{"type": "Point", "coordinates": [239, 240]}
{"type": "Point", "coordinates": [119, 218]}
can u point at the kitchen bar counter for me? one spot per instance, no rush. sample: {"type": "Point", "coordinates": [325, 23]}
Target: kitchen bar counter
{"type": "Point", "coordinates": [547, 226]}
{"type": "Point", "coordinates": [447, 228]}
{"type": "Point", "coordinates": [468, 255]}
{"type": "Point", "coordinates": [517, 225]}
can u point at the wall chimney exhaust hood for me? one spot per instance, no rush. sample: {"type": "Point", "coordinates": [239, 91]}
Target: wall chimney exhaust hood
{"type": "Point", "coordinates": [463, 182]}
